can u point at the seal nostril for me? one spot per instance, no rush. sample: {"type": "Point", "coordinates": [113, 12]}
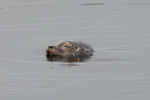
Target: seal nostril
{"type": "Point", "coordinates": [50, 47]}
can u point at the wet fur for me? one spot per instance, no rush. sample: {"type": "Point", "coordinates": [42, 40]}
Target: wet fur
{"type": "Point", "coordinates": [68, 48]}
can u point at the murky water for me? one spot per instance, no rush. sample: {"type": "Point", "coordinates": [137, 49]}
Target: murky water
{"type": "Point", "coordinates": [117, 30]}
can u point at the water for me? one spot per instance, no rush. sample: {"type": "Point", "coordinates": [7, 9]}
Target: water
{"type": "Point", "coordinates": [117, 30]}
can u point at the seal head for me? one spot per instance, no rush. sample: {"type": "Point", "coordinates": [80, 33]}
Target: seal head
{"type": "Point", "coordinates": [69, 48]}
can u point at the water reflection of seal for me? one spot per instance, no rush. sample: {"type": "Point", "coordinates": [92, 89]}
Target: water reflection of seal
{"type": "Point", "coordinates": [71, 49]}
{"type": "Point", "coordinates": [67, 59]}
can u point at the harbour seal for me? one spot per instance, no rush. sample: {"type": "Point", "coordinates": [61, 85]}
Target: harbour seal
{"type": "Point", "coordinates": [69, 48]}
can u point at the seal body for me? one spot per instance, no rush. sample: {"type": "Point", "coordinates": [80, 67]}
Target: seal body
{"type": "Point", "coordinates": [69, 48]}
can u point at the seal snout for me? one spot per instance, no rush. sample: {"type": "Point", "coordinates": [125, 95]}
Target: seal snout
{"type": "Point", "coordinates": [47, 50]}
{"type": "Point", "coordinates": [50, 47]}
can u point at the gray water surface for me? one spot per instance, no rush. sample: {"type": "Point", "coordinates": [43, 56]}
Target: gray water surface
{"type": "Point", "coordinates": [118, 31]}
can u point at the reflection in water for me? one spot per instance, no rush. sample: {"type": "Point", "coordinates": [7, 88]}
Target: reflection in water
{"type": "Point", "coordinates": [67, 59]}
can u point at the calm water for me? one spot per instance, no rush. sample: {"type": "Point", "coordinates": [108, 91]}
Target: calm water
{"type": "Point", "coordinates": [117, 30]}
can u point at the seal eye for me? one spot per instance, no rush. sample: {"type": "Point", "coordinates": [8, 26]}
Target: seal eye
{"type": "Point", "coordinates": [76, 47]}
